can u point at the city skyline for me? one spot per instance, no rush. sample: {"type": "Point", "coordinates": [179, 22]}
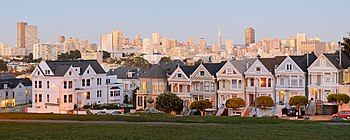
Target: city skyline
{"type": "Point", "coordinates": [180, 20]}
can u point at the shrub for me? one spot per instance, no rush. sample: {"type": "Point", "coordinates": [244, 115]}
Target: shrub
{"type": "Point", "coordinates": [298, 101]}
{"type": "Point", "coordinates": [338, 98]}
{"type": "Point", "coordinates": [201, 105]}
{"type": "Point", "coordinates": [235, 103]}
{"type": "Point", "coordinates": [168, 102]}
{"type": "Point", "coordinates": [264, 102]}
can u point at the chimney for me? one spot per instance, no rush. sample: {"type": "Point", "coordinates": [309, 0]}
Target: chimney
{"type": "Point", "coordinates": [307, 59]}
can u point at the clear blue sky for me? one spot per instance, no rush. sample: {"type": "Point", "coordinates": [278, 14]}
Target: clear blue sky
{"type": "Point", "coordinates": [180, 19]}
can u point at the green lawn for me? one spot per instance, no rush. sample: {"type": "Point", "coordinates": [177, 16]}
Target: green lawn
{"type": "Point", "coordinates": [174, 131]}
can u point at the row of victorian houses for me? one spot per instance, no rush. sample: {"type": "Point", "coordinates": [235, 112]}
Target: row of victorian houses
{"type": "Point", "coordinates": [63, 86]}
{"type": "Point", "coordinates": [280, 77]}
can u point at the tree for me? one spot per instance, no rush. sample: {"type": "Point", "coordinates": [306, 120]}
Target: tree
{"type": "Point", "coordinates": [201, 105]}
{"type": "Point", "coordinates": [30, 69]}
{"type": "Point", "coordinates": [137, 62]}
{"type": "Point", "coordinates": [106, 54]}
{"type": "Point", "coordinates": [264, 102]}
{"type": "Point", "coordinates": [3, 65]}
{"type": "Point", "coordinates": [298, 101]}
{"type": "Point", "coordinates": [235, 103]}
{"type": "Point", "coordinates": [168, 102]}
{"type": "Point", "coordinates": [165, 59]}
{"type": "Point", "coordinates": [72, 55]}
{"type": "Point", "coordinates": [198, 62]}
{"type": "Point", "coordinates": [338, 98]}
{"type": "Point", "coordinates": [28, 58]}
{"type": "Point", "coordinates": [346, 44]}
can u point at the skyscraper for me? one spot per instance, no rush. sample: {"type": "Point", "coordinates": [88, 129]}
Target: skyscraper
{"type": "Point", "coordinates": [229, 46]}
{"type": "Point", "coordinates": [61, 39]}
{"type": "Point", "coordinates": [249, 36]}
{"type": "Point", "coordinates": [219, 40]}
{"type": "Point", "coordinates": [300, 38]}
{"type": "Point", "coordinates": [27, 35]}
{"type": "Point", "coordinates": [165, 43]}
{"type": "Point", "coordinates": [155, 38]}
{"type": "Point", "coordinates": [106, 42]}
{"type": "Point", "coordinates": [117, 40]}
{"type": "Point", "coordinates": [202, 44]}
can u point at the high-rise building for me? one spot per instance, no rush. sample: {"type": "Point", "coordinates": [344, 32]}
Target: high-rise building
{"type": "Point", "coordinates": [219, 40]}
{"type": "Point", "coordinates": [300, 38]}
{"type": "Point", "coordinates": [61, 39]}
{"type": "Point", "coordinates": [147, 46]}
{"type": "Point", "coordinates": [27, 35]}
{"type": "Point", "coordinates": [173, 43]}
{"type": "Point", "coordinates": [165, 42]}
{"type": "Point", "coordinates": [202, 44]}
{"type": "Point", "coordinates": [191, 41]}
{"type": "Point", "coordinates": [249, 36]}
{"type": "Point", "coordinates": [229, 46]}
{"type": "Point", "coordinates": [106, 42]}
{"type": "Point", "coordinates": [117, 40]}
{"type": "Point", "coordinates": [155, 38]}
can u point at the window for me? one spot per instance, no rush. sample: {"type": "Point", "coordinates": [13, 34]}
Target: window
{"type": "Point", "coordinates": [188, 88]}
{"type": "Point", "coordinates": [88, 71]}
{"type": "Point", "coordinates": [201, 73]}
{"type": "Point", "coordinates": [64, 98]}
{"type": "Point", "coordinates": [281, 81]}
{"type": "Point", "coordinates": [229, 71]}
{"type": "Point", "coordinates": [180, 87]}
{"type": "Point", "coordinates": [70, 98]}
{"type": "Point", "coordinates": [212, 86]}
{"type": "Point", "coordinates": [117, 93]}
{"type": "Point", "coordinates": [65, 84]}
{"type": "Point", "coordinates": [47, 84]}
{"type": "Point", "coordinates": [35, 84]}
{"type": "Point", "coordinates": [40, 98]}
{"type": "Point", "coordinates": [70, 73]}
{"type": "Point", "coordinates": [83, 82]}
{"type": "Point", "coordinates": [251, 82]}
{"type": "Point", "coordinates": [258, 69]}
{"type": "Point", "coordinates": [36, 97]}
{"type": "Point", "coordinates": [38, 72]}
{"type": "Point", "coordinates": [175, 88]}
{"type": "Point", "coordinates": [40, 84]}
{"type": "Point", "coordinates": [111, 93]}
{"type": "Point", "coordinates": [139, 101]}
{"type": "Point", "coordinates": [240, 84]}
{"type": "Point", "coordinates": [47, 98]}
{"type": "Point", "coordinates": [289, 67]}
{"type": "Point", "coordinates": [99, 93]}
{"type": "Point", "coordinates": [234, 83]}
{"type": "Point", "coordinates": [323, 63]}
{"type": "Point", "coordinates": [87, 82]}
{"type": "Point", "coordinates": [99, 81]}
{"type": "Point", "coordinates": [294, 81]}
{"type": "Point", "coordinates": [223, 83]}
{"type": "Point", "coordinates": [47, 71]}
{"type": "Point", "coordinates": [206, 86]}
{"type": "Point", "coordinates": [263, 82]}
{"type": "Point", "coordinates": [70, 84]}
{"type": "Point", "coordinates": [87, 95]}
{"type": "Point", "coordinates": [269, 83]}
{"type": "Point", "coordinates": [6, 94]}
{"type": "Point", "coordinates": [108, 81]}
{"type": "Point", "coordinates": [179, 75]}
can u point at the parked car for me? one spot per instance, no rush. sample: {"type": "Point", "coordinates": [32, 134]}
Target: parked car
{"type": "Point", "coordinates": [293, 111]}
{"type": "Point", "coordinates": [102, 113]}
{"type": "Point", "coordinates": [342, 114]}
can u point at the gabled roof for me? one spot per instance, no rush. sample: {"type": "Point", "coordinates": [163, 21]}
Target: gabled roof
{"type": "Point", "coordinates": [12, 83]}
{"type": "Point", "coordinates": [162, 69]}
{"type": "Point", "coordinates": [122, 72]}
{"type": "Point", "coordinates": [272, 63]}
{"type": "Point", "coordinates": [188, 70]}
{"type": "Point", "coordinates": [59, 68]}
{"type": "Point", "coordinates": [301, 60]}
{"type": "Point", "coordinates": [242, 65]}
{"type": "Point", "coordinates": [213, 68]}
{"type": "Point", "coordinates": [6, 76]}
{"type": "Point", "coordinates": [334, 59]}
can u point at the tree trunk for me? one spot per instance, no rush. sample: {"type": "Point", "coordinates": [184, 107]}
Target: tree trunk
{"type": "Point", "coordinates": [202, 113]}
{"type": "Point", "coordinates": [299, 111]}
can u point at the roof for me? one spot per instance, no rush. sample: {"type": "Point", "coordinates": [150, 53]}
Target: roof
{"type": "Point", "coordinates": [242, 65]}
{"type": "Point", "coordinates": [162, 69]}
{"type": "Point", "coordinates": [213, 68]}
{"type": "Point", "coordinates": [115, 88]}
{"type": "Point", "coordinates": [272, 63]}
{"type": "Point", "coordinates": [188, 70]}
{"type": "Point", "coordinates": [122, 72]}
{"type": "Point", "coordinates": [301, 60]}
{"type": "Point", "coordinates": [6, 76]}
{"type": "Point", "coordinates": [59, 68]}
{"type": "Point", "coordinates": [12, 83]}
{"type": "Point", "coordinates": [334, 59]}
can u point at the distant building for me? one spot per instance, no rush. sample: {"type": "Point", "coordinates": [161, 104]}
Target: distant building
{"type": "Point", "coordinates": [92, 55]}
{"type": "Point", "coordinates": [46, 51]}
{"type": "Point", "coordinates": [106, 42]}
{"type": "Point", "coordinates": [117, 40]}
{"type": "Point", "coordinates": [229, 46]}
{"type": "Point", "coordinates": [17, 89]}
{"type": "Point", "coordinates": [249, 36]}
{"type": "Point", "coordinates": [27, 35]}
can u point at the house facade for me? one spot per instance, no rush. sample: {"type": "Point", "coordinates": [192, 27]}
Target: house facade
{"type": "Point", "coordinates": [326, 75]}
{"type": "Point", "coordinates": [15, 90]}
{"type": "Point", "coordinates": [63, 86]}
{"type": "Point", "coordinates": [292, 76]}
{"type": "Point", "coordinates": [154, 82]}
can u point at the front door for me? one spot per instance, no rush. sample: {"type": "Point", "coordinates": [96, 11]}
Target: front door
{"type": "Point", "coordinates": [251, 99]}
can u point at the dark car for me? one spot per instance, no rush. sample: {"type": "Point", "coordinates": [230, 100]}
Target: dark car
{"type": "Point", "coordinates": [293, 111]}
{"type": "Point", "coordinates": [342, 114]}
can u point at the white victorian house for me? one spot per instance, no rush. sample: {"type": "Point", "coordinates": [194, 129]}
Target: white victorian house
{"type": "Point", "coordinates": [291, 77]}
{"type": "Point", "coordinates": [260, 78]}
{"type": "Point", "coordinates": [231, 80]}
{"type": "Point", "coordinates": [326, 75]}
{"type": "Point", "coordinates": [17, 91]}
{"type": "Point", "coordinates": [62, 86]}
